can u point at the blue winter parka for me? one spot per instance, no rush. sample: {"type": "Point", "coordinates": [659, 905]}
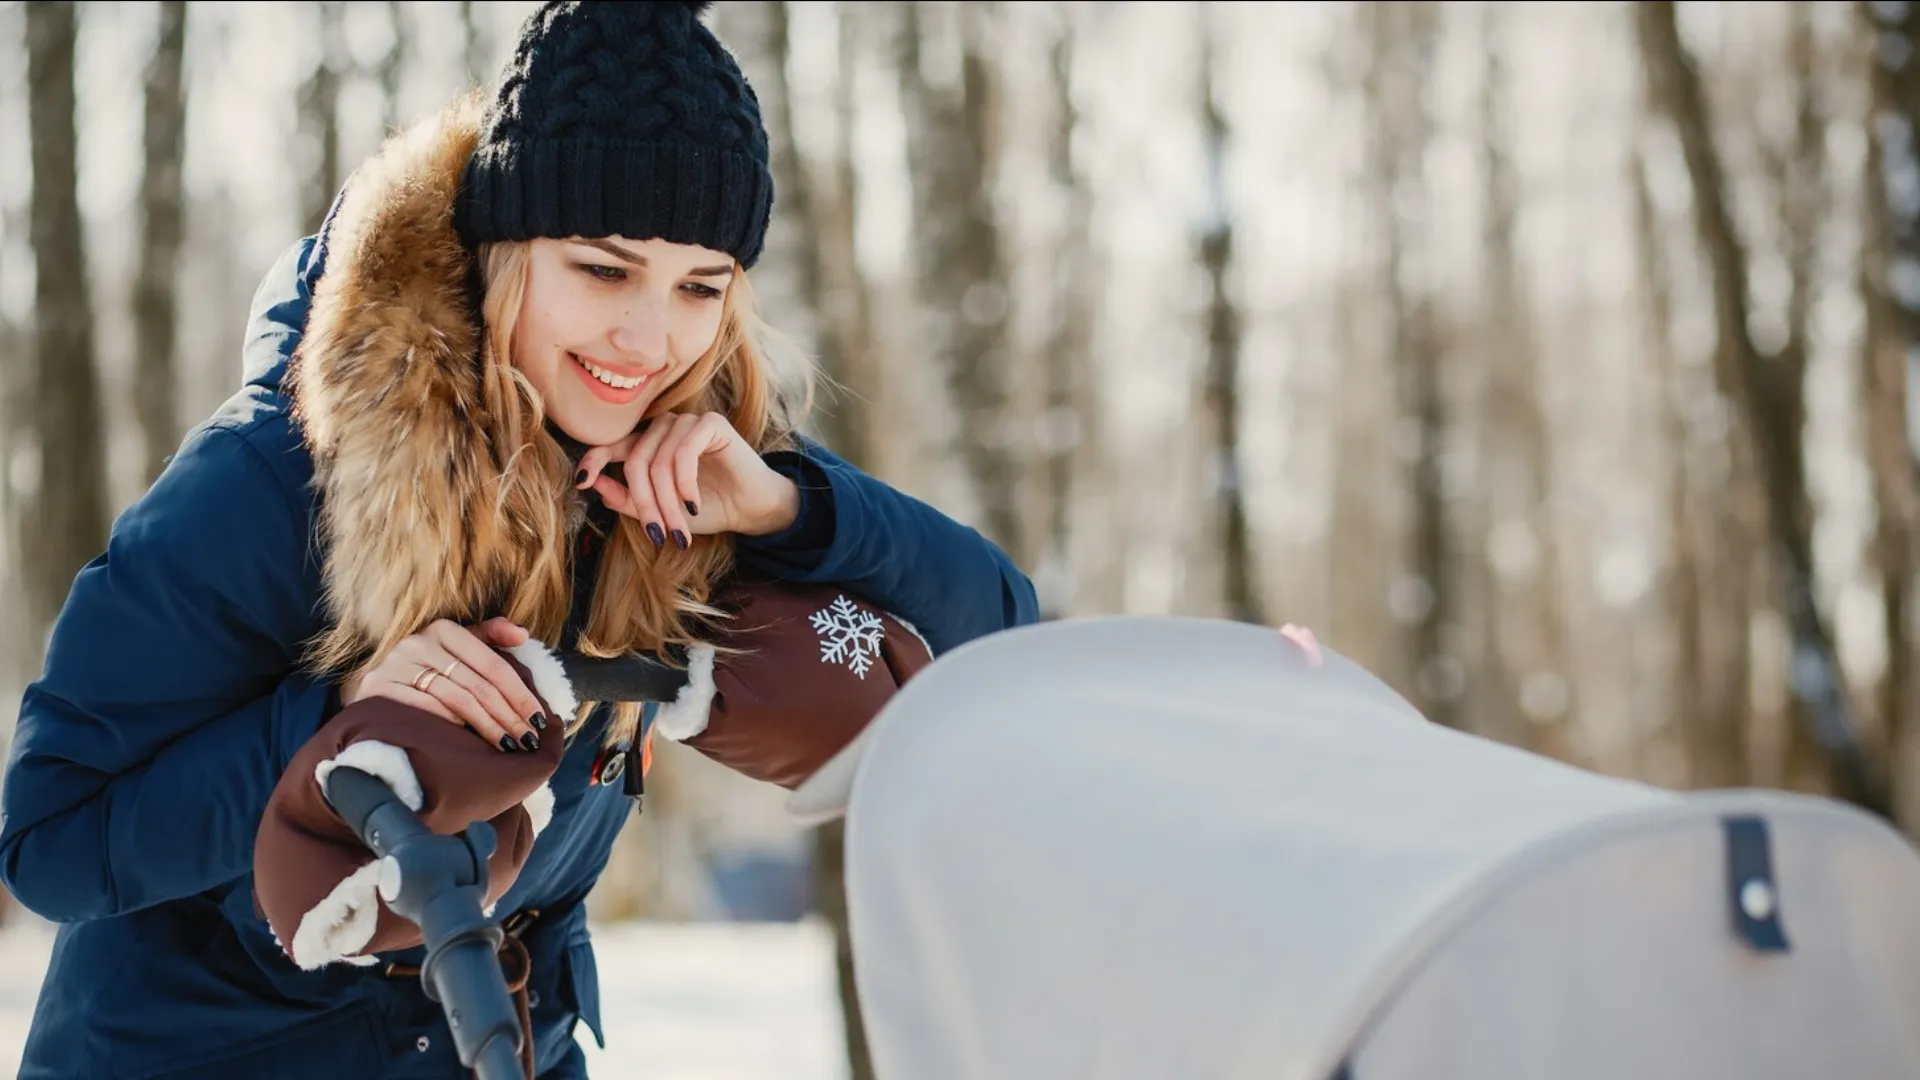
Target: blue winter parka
{"type": "Point", "coordinates": [173, 698]}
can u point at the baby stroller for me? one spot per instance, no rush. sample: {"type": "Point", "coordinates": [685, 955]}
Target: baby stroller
{"type": "Point", "coordinates": [1137, 847]}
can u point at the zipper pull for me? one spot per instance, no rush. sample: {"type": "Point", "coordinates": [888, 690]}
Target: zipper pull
{"type": "Point", "coordinates": [633, 778]}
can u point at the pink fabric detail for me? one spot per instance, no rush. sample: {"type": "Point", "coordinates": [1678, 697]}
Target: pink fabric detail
{"type": "Point", "coordinates": [1303, 637]}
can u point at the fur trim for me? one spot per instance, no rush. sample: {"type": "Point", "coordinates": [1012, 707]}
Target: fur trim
{"type": "Point", "coordinates": [915, 631]}
{"type": "Point", "coordinates": [549, 678]}
{"type": "Point", "coordinates": [384, 760]}
{"type": "Point", "coordinates": [686, 715]}
{"type": "Point", "coordinates": [341, 923]}
{"type": "Point", "coordinates": [539, 806]}
{"type": "Point", "coordinates": [387, 388]}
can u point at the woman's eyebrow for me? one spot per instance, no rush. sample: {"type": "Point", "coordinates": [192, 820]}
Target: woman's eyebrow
{"type": "Point", "coordinates": [617, 251]}
{"type": "Point", "coordinates": [640, 260]}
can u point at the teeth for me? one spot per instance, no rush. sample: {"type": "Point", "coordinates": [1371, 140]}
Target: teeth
{"type": "Point", "coordinates": [618, 382]}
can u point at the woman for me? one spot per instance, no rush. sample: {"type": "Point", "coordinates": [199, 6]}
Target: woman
{"type": "Point", "coordinates": [514, 388]}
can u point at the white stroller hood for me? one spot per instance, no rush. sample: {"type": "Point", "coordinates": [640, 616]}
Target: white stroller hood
{"type": "Point", "coordinates": [1150, 848]}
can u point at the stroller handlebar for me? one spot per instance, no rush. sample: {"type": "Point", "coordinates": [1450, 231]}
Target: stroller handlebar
{"type": "Point", "coordinates": [439, 883]}
{"type": "Point", "coordinates": [631, 677]}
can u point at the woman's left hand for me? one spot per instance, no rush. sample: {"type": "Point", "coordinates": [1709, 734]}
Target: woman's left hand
{"type": "Point", "coordinates": [691, 474]}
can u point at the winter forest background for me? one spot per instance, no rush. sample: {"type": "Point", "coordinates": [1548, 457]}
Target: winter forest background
{"type": "Point", "coordinates": [1550, 359]}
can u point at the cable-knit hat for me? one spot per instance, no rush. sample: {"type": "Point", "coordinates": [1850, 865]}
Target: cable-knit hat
{"type": "Point", "coordinates": [621, 119]}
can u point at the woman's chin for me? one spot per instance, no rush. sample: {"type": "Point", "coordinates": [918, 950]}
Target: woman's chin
{"type": "Point", "coordinates": [596, 430]}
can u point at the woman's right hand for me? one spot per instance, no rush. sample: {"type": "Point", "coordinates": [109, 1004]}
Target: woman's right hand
{"type": "Point", "coordinates": [452, 672]}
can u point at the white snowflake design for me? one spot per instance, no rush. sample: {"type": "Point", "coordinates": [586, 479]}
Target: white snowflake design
{"type": "Point", "coordinates": [849, 635]}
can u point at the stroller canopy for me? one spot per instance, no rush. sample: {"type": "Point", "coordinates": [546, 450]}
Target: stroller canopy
{"type": "Point", "coordinates": [1153, 848]}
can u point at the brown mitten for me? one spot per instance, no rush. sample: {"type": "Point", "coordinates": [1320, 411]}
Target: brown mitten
{"type": "Point", "coordinates": [814, 666]}
{"type": "Point", "coordinates": [315, 881]}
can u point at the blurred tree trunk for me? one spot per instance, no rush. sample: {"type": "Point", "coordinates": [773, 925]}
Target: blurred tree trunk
{"type": "Point", "coordinates": [813, 261]}
{"type": "Point", "coordinates": [841, 296]}
{"type": "Point", "coordinates": [1220, 384]}
{"type": "Point", "coordinates": [1362, 559]}
{"type": "Point", "coordinates": [318, 116]}
{"type": "Point", "coordinates": [830, 893]}
{"type": "Point", "coordinates": [475, 51]}
{"type": "Point", "coordinates": [16, 390]}
{"type": "Point", "coordinates": [952, 140]}
{"type": "Point", "coordinates": [1892, 247]}
{"type": "Point", "coordinates": [16, 439]}
{"type": "Point", "coordinates": [1402, 37]}
{"type": "Point", "coordinates": [392, 66]}
{"type": "Point", "coordinates": [785, 280]}
{"type": "Point", "coordinates": [1524, 668]}
{"type": "Point", "coordinates": [1710, 722]}
{"type": "Point", "coordinates": [1075, 482]}
{"type": "Point", "coordinates": [1797, 174]}
{"type": "Point", "coordinates": [67, 506]}
{"type": "Point", "coordinates": [817, 253]}
{"type": "Point", "coordinates": [1769, 396]}
{"type": "Point", "coordinates": [843, 305]}
{"type": "Point", "coordinates": [156, 389]}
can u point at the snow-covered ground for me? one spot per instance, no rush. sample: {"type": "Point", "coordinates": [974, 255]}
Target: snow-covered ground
{"type": "Point", "coordinates": [705, 1001]}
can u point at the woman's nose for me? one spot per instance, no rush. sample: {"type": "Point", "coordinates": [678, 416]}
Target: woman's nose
{"type": "Point", "coordinates": [642, 336]}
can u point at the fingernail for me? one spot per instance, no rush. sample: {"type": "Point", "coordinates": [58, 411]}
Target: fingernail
{"type": "Point", "coordinates": [530, 741]}
{"type": "Point", "coordinates": [579, 478]}
{"type": "Point", "coordinates": [680, 538]}
{"type": "Point", "coordinates": [654, 534]}
{"type": "Point", "coordinates": [692, 510]}
{"type": "Point", "coordinates": [506, 743]}
{"type": "Point", "coordinates": [538, 721]}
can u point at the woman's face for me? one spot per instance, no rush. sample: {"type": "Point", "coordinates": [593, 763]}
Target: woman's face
{"type": "Point", "coordinates": [607, 325]}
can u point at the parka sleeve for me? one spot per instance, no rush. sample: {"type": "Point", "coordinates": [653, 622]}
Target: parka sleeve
{"type": "Point", "coordinates": [899, 553]}
{"type": "Point", "coordinates": [171, 699]}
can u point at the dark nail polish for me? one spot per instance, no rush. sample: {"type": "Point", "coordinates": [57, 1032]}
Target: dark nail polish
{"type": "Point", "coordinates": [654, 534]}
{"type": "Point", "coordinates": [680, 539]}
{"type": "Point", "coordinates": [506, 743]}
{"type": "Point", "coordinates": [530, 741]}
{"type": "Point", "coordinates": [579, 478]}
{"type": "Point", "coordinates": [538, 721]}
{"type": "Point", "coordinates": [692, 510]}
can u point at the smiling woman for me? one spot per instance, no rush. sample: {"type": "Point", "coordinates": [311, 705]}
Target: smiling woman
{"type": "Point", "coordinates": [407, 485]}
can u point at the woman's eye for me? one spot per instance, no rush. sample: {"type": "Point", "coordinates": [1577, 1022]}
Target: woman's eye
{"type": "Point", "coordinates": [701, 292]}
{"type": "Point", "coordinates": [604, 273]}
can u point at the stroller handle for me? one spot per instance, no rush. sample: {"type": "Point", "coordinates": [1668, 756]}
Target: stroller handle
{"type": "Point", "coordinates": [440, 884]}
{"type": "Point", "coordinates": [636, 677]}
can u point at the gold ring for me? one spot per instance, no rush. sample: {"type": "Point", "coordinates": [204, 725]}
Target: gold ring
{"type": "Point", "coordinates": [449, 669]}
{"type": "Point", "coordinates": [425, 679]}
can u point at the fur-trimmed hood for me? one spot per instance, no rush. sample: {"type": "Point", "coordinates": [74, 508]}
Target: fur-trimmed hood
{"type": "Point", "coordinates": [387, 385]}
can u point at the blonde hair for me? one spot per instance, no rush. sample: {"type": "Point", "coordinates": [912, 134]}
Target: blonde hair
{"type": "Point", "coordinates": [646, 599]}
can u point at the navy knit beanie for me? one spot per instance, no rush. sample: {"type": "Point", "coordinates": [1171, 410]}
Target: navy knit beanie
{"type": "Point", "coordinates": [620, 119]}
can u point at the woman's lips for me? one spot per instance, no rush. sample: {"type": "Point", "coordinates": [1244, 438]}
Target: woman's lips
{"type": "Point", "coordinates": [612, 395]}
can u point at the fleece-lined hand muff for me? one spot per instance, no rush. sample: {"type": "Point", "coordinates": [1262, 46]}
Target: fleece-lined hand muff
{"type": "Point", "coordinates": [793, 676]}
{"type": "Point", "coordinates": [789, 680]}
{"type": "Point", "coordinates": [315, 881]}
